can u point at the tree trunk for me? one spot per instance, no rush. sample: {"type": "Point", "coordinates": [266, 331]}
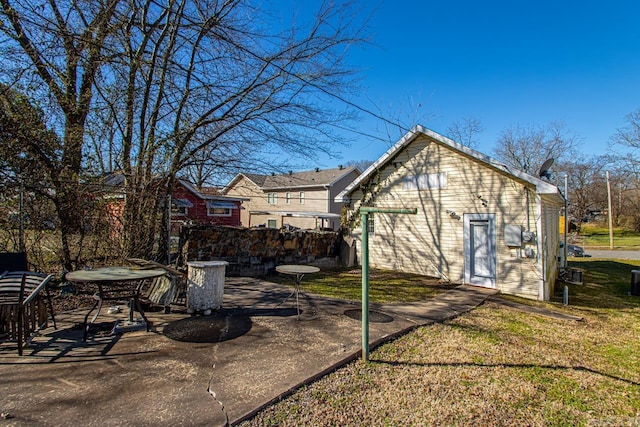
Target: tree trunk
{"type": "Point", "coordinates": [68, 215]}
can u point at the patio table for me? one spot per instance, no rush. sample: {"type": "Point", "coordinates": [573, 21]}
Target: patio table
{"type": "Point", "coordinates": [116, 283]}
{"type": "Point", "coordinates": [299, 271]}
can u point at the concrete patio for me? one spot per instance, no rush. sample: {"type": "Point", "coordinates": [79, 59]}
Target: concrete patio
{"type": "Point", "coordinates": [193, 370]}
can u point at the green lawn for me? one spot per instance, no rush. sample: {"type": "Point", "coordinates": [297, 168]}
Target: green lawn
{"type": "Point", "coordinates": [494, 366]}
{"type": "Point", "coordinates": [598, 236]}
{"type": "Point", "coordinates": [607, 283]}
{"type": "Point", "coordinates": [384, 285]}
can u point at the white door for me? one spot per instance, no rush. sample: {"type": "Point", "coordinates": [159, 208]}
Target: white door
{"type": "Point", "coordinates": [480, 250]}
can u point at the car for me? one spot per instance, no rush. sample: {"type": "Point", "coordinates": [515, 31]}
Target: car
{"type": "Point", "coordinates": [575, 251]}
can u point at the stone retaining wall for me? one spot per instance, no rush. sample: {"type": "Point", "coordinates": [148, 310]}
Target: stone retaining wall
{"type": "Point", "coordinates": [257, 251]}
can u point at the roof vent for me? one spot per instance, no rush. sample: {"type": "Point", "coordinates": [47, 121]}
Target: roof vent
{"type": "Point", "coordinates": [340, 167]}
{"type": "Point", "coordinates": [290, 172]}
{"type": "Point", "coordinates": [273, 174]}
{"type": "Point", "coordinates": [317, 169]}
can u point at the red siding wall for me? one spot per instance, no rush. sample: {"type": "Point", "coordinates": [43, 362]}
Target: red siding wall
{"type": "Point", "coordinates": [198, 212]}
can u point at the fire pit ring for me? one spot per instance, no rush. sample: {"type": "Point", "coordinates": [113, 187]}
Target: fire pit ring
{"type": "Point", "coordinates": [208, 329]}
{"type": "Point", "coordinates": [374, 316]}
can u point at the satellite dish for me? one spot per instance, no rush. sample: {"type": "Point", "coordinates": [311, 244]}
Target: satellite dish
{"type": "Point", "coordinates": [544, 169]}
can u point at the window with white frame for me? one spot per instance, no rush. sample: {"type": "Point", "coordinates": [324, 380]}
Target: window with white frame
{"type": "Point", "coordinates": [425, 181]}
{"type": "Point", "coordinates": [287, 198]}
{"type": "Point", "coordinates": [220, 208]}
{"type": "Point", "coordinates": [302, 197]}
{"type": "Point", "coordinates": [180, 207]}
{"type": "Point", "coordinates": [178, 210]}
{"type": "Point", "coordinates": [272, 198]}
{"type": "Point", "coordinates": [218, 211]}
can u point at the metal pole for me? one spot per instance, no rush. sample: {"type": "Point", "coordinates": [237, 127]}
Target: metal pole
{"type": "Point", "coordinates": [365, 284]}
{"type": "Point", "coordinates": [566, 217]}
{"type": "Point", "coordinates": [21, 220]}
{"type": "Point", "coordinates": [168, 229]}
{"type": "Point", "coordinates": [364, 216]}
{"type": "Point", "coordinates": [610, 213]}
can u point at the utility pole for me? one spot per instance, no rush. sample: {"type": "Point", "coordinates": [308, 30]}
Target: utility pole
{"type": "Point", "coordinates": [610, 213]}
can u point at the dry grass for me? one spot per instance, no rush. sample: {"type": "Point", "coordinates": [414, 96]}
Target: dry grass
{"type": "Point", "coordinates": [493, 366]}
{"type": "Point", "coordinates": [384, 285]}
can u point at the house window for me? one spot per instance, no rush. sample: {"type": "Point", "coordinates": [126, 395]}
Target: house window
{"type": "Point", "coordinates": [272, 223]}
{"type": "Point", "coordinates": [302, 197]}
{"type": "Point", "coordinates": [179, 207]}
{"type": "Point", "coordinates": [288, 198]}
{"type": "Point", "coordinates": [272, 198]}
{"type": "Point", "coordinates": [178, 211]}
{"type": "Point", "coordinates": [425, 181]}
{"type": "Point", "coordinates": [218, 212]}
{"type": "Point", "coordinates": [220, 208]}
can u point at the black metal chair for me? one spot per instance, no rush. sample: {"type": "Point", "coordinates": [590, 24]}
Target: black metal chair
{"type": "Point", "coordinates": [13, 261]}
{"type": "Point", "coordinates": [23, 306]}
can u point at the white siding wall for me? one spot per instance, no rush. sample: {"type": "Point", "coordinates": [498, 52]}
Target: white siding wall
{"type": "Point", "coordinates": [431, 242]}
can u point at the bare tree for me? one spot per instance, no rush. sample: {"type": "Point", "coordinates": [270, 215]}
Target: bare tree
{"type": "Point", "coordinates": [360, 164]}
{"type": "Point", "coordinates": [466, 131]}
{"type": "Point", "coordinates": [628, 138]}
{"type": "Point", "coordinates": [213, 84]}
{"type": "Point", "coordinates": [153, 87]}
{"type": "Point", "coordinates": [587, 187]}
{"type": "Point", "coordinates": [526, 148]}
{"type": "Point", "coordinates": [56, 50]}
{"type": "Point", "coordinates": [26, 199]}
{"type": "Point", "coordinates": [31, 205]}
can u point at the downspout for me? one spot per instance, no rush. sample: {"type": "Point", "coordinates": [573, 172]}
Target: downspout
{"type": "Point", "coordinates": [542, 252]}
{"type": "Point", "coordinates": [526, 195]}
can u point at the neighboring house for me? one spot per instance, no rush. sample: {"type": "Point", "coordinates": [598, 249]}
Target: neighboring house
{"type": "Point", "coordinates": [188, 204]}
{"type": "Point", "coordinates": [478, 222]}
{"type": "Point", "coordinates": [297, 199]}
{"type": "Point", "coordinates": [204, 206]}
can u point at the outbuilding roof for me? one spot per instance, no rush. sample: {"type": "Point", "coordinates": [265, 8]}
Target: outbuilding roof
{"type": "Point", "coordinates": [542, 187]}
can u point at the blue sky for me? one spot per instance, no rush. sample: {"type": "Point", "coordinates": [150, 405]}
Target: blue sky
{"type": "Point", "coordinates": [505, 63]}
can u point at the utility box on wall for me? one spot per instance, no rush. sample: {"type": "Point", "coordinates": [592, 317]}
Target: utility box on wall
{"type": "Point", "coordinates": [513, 235]}
{"type": "Point", "coordinates": [528, 237]}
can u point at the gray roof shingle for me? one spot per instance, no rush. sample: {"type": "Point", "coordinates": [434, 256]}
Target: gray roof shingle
{"type": "Point", "coordinates": [318, 177]}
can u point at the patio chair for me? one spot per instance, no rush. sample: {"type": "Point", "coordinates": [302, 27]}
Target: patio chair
{"type": "Point", "coordinates": [13, 261]}
{"type": "Point", "coordinates": [23, 306]}
{"type": "Point", "coordinates": [163, 290]}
